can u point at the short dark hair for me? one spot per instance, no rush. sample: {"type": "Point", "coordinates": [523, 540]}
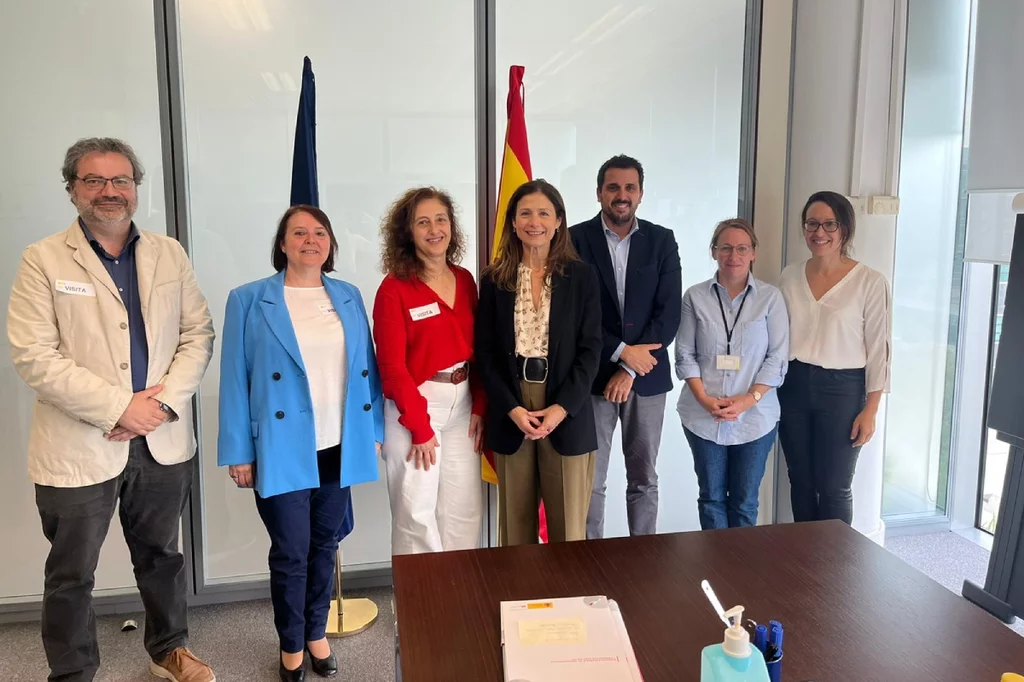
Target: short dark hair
{"type": "Point", "coordinates": [621, 162]}
{"type": "Point", "coordinates": [845, 216]}
{"type": "Point", "coordinates": [278, 257]}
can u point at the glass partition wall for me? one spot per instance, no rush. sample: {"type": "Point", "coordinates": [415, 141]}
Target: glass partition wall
{"type": "Point", "coordinates": [407, 92]}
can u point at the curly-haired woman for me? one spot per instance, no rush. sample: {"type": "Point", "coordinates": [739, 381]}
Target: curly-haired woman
{"type": "Point", "coordinates": [423, 326]}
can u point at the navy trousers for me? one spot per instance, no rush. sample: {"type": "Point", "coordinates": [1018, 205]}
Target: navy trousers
{"type": "Point", "coordinates": [305, 527]}
{"type": "Point", "coordinates": [819, 407]}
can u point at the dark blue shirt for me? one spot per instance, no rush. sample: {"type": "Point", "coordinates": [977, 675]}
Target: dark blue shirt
{"type": "Point", "coordinates": [122, 271]}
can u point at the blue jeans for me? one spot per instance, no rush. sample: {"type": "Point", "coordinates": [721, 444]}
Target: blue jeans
{"type": "Point", "coordinates": [304, 528]}
{"type": "Point", "coordinates": [728, 478]}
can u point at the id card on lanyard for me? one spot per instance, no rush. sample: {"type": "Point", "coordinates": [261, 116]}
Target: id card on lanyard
{"type": "Point", "coordinates": [729, 362]}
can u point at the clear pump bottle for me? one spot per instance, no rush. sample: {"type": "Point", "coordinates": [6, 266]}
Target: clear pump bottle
{"type": "Point", "coordinates": [734, 660]}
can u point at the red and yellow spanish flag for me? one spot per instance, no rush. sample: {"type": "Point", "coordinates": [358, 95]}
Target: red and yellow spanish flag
{"type": "Point", "coordinates": [515, 170]}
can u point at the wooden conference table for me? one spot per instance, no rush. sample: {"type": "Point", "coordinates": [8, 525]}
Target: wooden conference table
{"type": "Point", "coordinates": [852, 612]}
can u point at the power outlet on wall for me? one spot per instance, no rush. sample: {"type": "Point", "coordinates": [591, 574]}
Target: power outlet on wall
{"type": "Point", "coordinates": [882, 205]}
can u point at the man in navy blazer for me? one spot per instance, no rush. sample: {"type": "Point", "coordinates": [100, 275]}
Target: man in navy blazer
{"type": "Point", "coordinates": [641, 299]}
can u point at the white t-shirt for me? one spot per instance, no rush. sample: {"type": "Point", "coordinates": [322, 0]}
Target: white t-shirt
{"type": "Point", "coordinates": [321, 340]}
{"type": "Point", "coordinates": [849, 328]}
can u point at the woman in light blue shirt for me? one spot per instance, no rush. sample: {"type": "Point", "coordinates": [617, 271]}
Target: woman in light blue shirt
{"type": "Point", "coordinates": [732, 349]}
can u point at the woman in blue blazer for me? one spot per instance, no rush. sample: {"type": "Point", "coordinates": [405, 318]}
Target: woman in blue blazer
{"type": "Point", "coordinates": [301, 420]}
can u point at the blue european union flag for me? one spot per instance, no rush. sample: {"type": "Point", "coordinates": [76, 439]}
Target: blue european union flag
{"type": "Point", "coordinates": [305, 188]}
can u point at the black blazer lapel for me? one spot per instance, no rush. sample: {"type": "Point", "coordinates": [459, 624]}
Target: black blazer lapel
{"type": "Point", "coordinates": [594, 232]}
{"type": "Point", "coordinates": [505, 305]}
{"type": "Point", "coordinates": [560, 313]}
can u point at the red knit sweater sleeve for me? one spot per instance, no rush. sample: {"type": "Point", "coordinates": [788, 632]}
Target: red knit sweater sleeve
{"type": "Point", "coordinates": [390, 335]}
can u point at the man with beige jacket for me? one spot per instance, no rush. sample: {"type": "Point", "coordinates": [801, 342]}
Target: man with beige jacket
{"type": "Point", "coordinates": [107, 325]}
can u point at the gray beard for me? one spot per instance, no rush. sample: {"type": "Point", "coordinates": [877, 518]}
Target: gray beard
{"type": "Point", "coordinates": [91, 215]}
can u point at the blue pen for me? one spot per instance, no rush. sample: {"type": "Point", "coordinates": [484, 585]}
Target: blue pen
{"type": "Point", "coordinates": [776, 641]}
{"type": "Point", "coordinates": [774, 658]}
{"type": "Point", "coordinates": [761, 639]}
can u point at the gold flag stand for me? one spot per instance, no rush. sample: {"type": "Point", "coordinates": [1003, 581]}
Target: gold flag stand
{"type": "Point", "coordinates": [348, 616]}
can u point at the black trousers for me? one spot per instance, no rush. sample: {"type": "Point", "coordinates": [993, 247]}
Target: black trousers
{"type": "Point", "coordinates": [150, 498]}
{"type": "Point", "coordinates": [819, 407]}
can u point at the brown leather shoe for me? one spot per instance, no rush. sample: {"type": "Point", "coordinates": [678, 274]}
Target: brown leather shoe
{"type": "Point", "coordinates": [181, 665]}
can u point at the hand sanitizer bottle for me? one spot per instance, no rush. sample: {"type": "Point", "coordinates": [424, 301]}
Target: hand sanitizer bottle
{"type": "Point", "coordinates": [734, 660]}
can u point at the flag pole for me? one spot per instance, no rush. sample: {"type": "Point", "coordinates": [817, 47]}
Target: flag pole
{"type": "Point", "coordinates": [516, 169]}
{"type": "Point", "coordinates": [347, 616]}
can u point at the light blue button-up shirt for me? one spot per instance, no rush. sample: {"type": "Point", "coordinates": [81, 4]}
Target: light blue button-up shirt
{"type": "Point", "coordinates": [618, 249]}
{"type": "Point", "coordinates": [760, 339]}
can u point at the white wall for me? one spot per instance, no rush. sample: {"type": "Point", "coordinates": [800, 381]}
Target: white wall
{"type": "Point", "coordinates": [926, 281]}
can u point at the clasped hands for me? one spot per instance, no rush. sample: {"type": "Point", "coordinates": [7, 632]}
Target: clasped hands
{"type": "Point", "coordinates": [142, 416]}
{"type": "Point", "coordinates": [727, 409]}
{"type": "Point", "coordinates": [538, 424]}
{"type": "Point", "coordinates": [639, 358]}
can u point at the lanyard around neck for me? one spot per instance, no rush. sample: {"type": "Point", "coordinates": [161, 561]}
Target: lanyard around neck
{"type": "Point", "coordinates": [725, 321]}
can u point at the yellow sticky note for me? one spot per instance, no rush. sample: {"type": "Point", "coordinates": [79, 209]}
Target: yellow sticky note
{"type": "Point", "coordinates": [552, 631]}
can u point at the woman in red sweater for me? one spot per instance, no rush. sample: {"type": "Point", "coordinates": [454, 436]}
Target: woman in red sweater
{"type": "Point", "coordinates": [423, 327]}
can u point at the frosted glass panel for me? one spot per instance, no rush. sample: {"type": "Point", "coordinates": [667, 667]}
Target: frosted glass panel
{"type": "Point", "coordinates": [61, 84]}
{"type": "Point", "coordinates": [662, 82]}
{"type": "Point", "coordinates": [927, 273]}
{"type": "Point", "coordinates": [395, 109]}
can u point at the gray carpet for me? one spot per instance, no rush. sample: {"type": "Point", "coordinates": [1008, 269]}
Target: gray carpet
{"type": "Point", "coordinates": [946, 558]}
{"type": "Point", "coordinates": [238, 640]}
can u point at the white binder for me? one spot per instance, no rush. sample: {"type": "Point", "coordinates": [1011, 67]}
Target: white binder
{"type": "Point", "coordinates": [576, 639]}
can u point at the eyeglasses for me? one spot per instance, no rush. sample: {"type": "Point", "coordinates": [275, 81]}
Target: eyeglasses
{"type": "Point", "coordinates": [98, 182]}
{"type": "Point", "coordinates": [728, 250]}
{"type": "Point", "coordinates": [828, 225]}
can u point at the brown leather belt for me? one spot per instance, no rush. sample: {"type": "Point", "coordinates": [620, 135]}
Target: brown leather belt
{"type": "Point", "coordinates": [456, 377]}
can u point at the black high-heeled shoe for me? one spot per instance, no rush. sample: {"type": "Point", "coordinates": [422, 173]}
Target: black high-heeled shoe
{"type": "Point", "coordinates": [324, 667]}
{"type": "Point", "coordinates": [297, 675]}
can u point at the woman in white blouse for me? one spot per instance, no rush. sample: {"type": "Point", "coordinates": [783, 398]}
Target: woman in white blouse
{"type": "Point", "coordinates": [840, 338]}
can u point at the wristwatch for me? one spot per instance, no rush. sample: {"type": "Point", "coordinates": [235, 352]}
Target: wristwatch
{"type": "Point", "coordinates": [757, 395]}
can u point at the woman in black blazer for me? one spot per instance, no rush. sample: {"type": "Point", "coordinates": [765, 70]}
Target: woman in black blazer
{"type": "Point", "coordinates": [538, 346]}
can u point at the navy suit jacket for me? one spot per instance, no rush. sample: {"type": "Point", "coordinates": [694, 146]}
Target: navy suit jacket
{"type": "Point", "coordinates": [654, 294]}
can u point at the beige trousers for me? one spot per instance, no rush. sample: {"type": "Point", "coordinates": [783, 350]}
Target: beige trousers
{"type": "Point", "coordinates": [537, 472]}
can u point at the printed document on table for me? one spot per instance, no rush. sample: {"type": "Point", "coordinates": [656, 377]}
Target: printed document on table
{"type": "Point", "coordinates": [576, 639]}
